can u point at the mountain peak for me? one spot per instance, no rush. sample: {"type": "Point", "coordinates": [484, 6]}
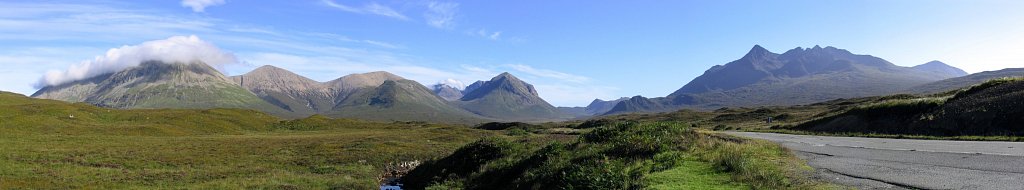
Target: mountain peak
{"type": "Point", "coordinates": [507, 97]}
{"type": "Point", "coordinates": [757, 52]}
{"type": "Point", "coordinates": [505, 75]}
{"type": "Point", "coordinates": [371, 79]}
{"type": "Point", "coordinates": [934, 62]}
{"type": "Point", "coordinates": [447, 92]}
{"type": "Point", "coordinates": [272, 71]}
{"type": "Point", "coordinates": [268, 67]}
{"type": "Point", "coordinates": [941, 68]}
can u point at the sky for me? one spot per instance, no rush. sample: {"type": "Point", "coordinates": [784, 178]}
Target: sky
{"type": "Point", "coordinates": [572, 51]}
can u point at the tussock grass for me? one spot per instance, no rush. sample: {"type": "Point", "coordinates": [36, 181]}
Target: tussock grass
{"type": "Point", "coordinates": [762, 164]}
{"type": "Point", "coordinates": [987, 84]}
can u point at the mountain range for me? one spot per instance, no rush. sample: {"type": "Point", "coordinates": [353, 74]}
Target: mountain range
{"type": "Point", "coordinates": [373, 96]}
{"type": "Point", "coordinates": [798, 76]}
{"type": "Point", "coordinates": [759, 78]}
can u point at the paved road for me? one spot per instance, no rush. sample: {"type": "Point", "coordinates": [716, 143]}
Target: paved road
{"type": "Point", "coordinates": [875, 163]}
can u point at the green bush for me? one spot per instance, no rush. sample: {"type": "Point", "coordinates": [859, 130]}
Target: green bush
{"type": "Point", "coordinates": [667, 160]}
{"type": "Point", "coordinates": [611, 156]}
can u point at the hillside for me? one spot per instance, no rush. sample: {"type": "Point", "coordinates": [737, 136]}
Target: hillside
{"type": "Point", "coordinates": [965, 81]}
{"type": "Point", "coordinates": [156, 84]}
{"type": "Point", "coordinates": [506, 97]}
{"type": "Point", "coordinates": [990, 108]}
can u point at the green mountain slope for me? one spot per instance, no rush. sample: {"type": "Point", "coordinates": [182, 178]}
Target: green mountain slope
{"type": "Point", "coordinates": [21, 114]}
{"type": "Point", "coordinates": [156, 84]}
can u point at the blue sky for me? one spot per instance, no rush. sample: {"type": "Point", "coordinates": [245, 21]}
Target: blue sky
{"type": "Point", "coordinates": [573, 51]}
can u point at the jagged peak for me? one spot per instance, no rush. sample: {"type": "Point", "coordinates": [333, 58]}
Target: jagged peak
{"type": "Point", "coordinates": [504, 75]}
{"type": "Point", "coordinates": [638, 98]}
{"type": "Point", "coordinates": [757, 52]}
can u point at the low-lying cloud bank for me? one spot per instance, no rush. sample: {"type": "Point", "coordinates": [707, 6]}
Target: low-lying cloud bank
{"type": "Point", "coordinates": [177, 49]}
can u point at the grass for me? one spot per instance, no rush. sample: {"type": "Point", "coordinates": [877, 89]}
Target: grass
{"type": "Point", "coordinates": [762, 164]}
{"type": "Point", "coordinates": [694, 174]}
{"type": "Point", "coordinates": [45, 148]}
{"type": "Point", "coordinates": [347, 158]}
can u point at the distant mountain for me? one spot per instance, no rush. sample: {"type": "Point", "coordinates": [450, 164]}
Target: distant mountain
{"type": "Point", "coordinates": [155, 84]}
{"type": "Point", "coordinates": [288, 90]}
{"type": "Point", "coordinates": [473, 86]}
{"type": "Point", "coordinates": [508, 98]}
{"type": "Point", "coordinates": [940, 68]}
{"type": "Point", "coordinates": [965, 81]}
{"type": "Point", "coordinates": [598, 106]}
{"type": "Point", "coordinates": [638, 104]}
{"type": "Point", "coordinates": [401, 100]}
{"type": "Point", "coordinates": [372, 96]}
{"type": "Point", "coordinates": [364, 80]}
{"type": "Point", "coordinates": [447, 92]}
{"type": "Point", "coordinates": [801, 76]}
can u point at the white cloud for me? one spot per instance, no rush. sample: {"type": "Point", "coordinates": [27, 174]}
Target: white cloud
{"type": "Point", "coordinates": [200, 5]}
{"type": "Point", "coordinates": [454, 83]}
{"type": "Point", "coordinates": [174, 49]}
{"type": "Point", "coordinates": [484, 33]}
{"type": "Point", "coordinates": [370, 8]}
{"type": "Point", "coordinates": [441, 15]}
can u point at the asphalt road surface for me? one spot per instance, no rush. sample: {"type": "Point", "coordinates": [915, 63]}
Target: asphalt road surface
{"type": "Point", "coordinates": [876, 163]}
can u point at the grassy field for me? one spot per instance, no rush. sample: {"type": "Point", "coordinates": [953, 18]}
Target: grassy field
{"type": "Point", "coordinates": [55, 145]}
{"type": "Point", "coordinates": [340, 157]}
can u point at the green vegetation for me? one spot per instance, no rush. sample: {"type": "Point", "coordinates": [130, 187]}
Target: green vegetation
{"type": "Point", "coordinates": [619, 155]}
{"type": "Point", "coordinates": [693, 174]}
{"type": "Point", "coordinates": [892, 136]}
{"type": "Point", "coordinates": [55, 145]}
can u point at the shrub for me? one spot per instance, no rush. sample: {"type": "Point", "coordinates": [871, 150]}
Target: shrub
{"type": "Point", "coordinates": [667, 160]}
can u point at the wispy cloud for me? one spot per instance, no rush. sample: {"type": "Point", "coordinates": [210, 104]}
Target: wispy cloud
{"type": "Point", "coordinates": [441, 14]}
{"type": "Point", "coordinates": [200, 5]}
{"type": "Point", "coordinates": [383, 44]}
{"type": "Point", "coordinates": [549, 73]}
{"type": "Point", "coordinates": [370, 8]}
